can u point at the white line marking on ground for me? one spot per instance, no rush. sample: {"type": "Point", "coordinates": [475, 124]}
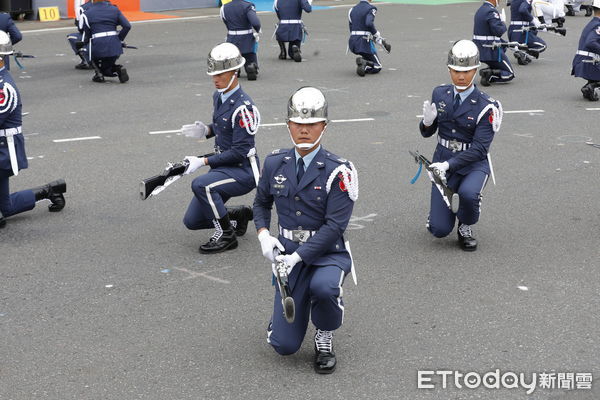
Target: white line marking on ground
{"type": "Point", "coordinates": [194, 274]}
{"type": "Point", "coordinates": [273, 124]}
{"type": "Point", "coordinates": [593, 109]}
{"type": "Point", "coordinates": [77, 139]}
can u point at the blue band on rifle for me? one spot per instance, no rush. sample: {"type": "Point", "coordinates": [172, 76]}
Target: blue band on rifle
{"type": "Point", "coordinates": [413, 180]}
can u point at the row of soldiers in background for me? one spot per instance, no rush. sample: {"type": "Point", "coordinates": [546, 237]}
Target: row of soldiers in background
{"type": "Point", "coordinates": [490, 25]}
{"type": "Point", "coordinates": [12, 149]}
{"type": "Point", "coordinates": [97, 41]}
{"type": "Point", "coordinates": [243, 29]}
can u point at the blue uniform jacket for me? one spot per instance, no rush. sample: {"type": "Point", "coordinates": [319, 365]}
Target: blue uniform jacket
{"type": "Point", "coordinates": [489, 26]}
{"type": "Point", "coordinates": [590, 42]}
{"type": "Point", "coordinates": [8, 25]}
{"type": "Point", "coordinates": [362, 18]}
{"type": "Point", "coordinates": [10, 117]}
{"type": "Point", "coordinates": [98, 19]}
{"type": "Point", "coordinates": [290, 10]}
{"type": "Point", "coordinates": [520, 10]}
{"type": "Point", "coordinates": [240, 15]}
{"type": "Point", "coordinates": [306, 206]}
{"type": "Point", "coordinates": [232, 140]}
{"type": "Point", "coordinates": [466, 125]}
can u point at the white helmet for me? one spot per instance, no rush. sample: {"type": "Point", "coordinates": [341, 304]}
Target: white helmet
{"type": "Point", "coordinates": [224, 57]}
{"type": "Point", "coordinates": [463, 56]}
{"type": "Point", "coordinates": [307, 106]}
{"type": "Point", "coordinates": [596, 4]}
{"type": "Point", "coordinates": [5, 44]}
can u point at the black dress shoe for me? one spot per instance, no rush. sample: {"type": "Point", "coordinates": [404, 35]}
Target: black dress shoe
{"type": "Point", "coordinates": [465, 238]}
{"type": "Point", "coordinates": [296, 54]}
{"type": "Point", "coordinates": [361, 66]}
{"type": "Point", "coordinates": [222, 240]}
{"type": "Point", "coordinates": [252, 71]}
{"type": "Point", "coordinates": [53, 192]}
{"type": "Point", "coordinates": [485, 74]}
{"type": "Point", "coordinates": [325, 360]}
{"type": "Point", "coordinates": [122, 73]}
{"type": "Point", "coordinates": [282, 52]}
{"type": "Point", "coordinates": [241, 215]}
{"type": "Point", "coordinates": [98, 78]}
{"type": "Point", "coordinates": [83, 65]}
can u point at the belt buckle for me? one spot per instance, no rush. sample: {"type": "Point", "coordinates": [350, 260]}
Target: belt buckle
{"type": "Point", "coordinates": [455, 145]}
{"type": "Point", "coordinates": [300, 236]}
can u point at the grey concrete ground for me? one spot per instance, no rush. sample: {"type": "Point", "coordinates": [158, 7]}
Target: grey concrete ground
{"type": "Point", "coordinates": [111, 300]}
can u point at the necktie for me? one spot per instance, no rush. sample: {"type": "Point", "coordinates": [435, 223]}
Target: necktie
{"type": "Point", "coordinates": [456, 101]}
{"type": "Point", "coordinates": [300, 172]}
{"type": "Point", "coordinates": [219, 102]}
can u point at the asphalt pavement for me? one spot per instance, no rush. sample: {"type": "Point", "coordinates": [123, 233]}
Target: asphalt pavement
{"type": "Point", "coordinates": [110, 299]}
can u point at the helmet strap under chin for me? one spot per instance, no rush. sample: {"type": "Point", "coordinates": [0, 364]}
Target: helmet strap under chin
{"type": "Point", "coordinates": [469, 85]}
{"type": "Point", "coordinates": [307, 146]}
{"type": "Point", "coordinates": [229, 84]}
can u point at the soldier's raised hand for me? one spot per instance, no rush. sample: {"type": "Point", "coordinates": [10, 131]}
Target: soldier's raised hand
{"type": "Point", "coordinates": [429, 113]}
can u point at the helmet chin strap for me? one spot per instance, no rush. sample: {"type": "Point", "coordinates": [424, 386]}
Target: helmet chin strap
{"type": "Point", "coordinates": [229, 84]}
{"type": "Point", "coordinates": [307, 146]}
{"type": "Point", "coordinates": [470, 83]}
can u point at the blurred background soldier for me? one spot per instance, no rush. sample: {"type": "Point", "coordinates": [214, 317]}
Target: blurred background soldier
{"type": "Point", "coordinates": [314, 192]}
{"type": "Point", "coordinates": [100, 21]}
{"type": "Point", "coordinates": [234, 169]}
{"type": "Point", "coordinates": [8, 26]}
{"type": "Point", "coordinates": [76, 37]}
{"type": "Point", "coordinates": [466, 120]}
{"type": "Point", "coordinates": [574, 6]}
{"type": "Point", "coordinates": [548, 11]}
{"type": "Point", "coordinates": [291, 28]}
{"type": "Point", "coordinates": [12, 149]}
{"type": "Point", "coordinates": [487, 31]}
{"type": "Point", "coordinates": [522, 30]}
{"type": "Point", "coordinates": [586, 63]}
{"type": "Point", "coordinates": [363, 36]}
{"type": "Point", "coordinates": [240, 19]}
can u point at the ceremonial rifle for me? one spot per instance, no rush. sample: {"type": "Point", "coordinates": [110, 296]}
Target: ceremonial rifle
{"type": "Point", "coordinates": [451, 198]}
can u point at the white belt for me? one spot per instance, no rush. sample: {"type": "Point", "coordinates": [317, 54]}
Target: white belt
{"type": "Point", "coordinates": [519, 22]}
{"type": "Point", "coordinates": [290, 21]}
{"type": "Point", "coordinates": [296, 235]}
{"type": "Point", "coordinates": [477, 37]}
{"type": "Point", "coordinates": [253, 164]}
{"type": "Point", "coordinates": [104, 34]}
{"type": "Point", "coordinates": [10, 142]}
{"type": "Point", "coordinates": [246, 32]}
{"type": "Point", "coordinates": [453, 144]}
{"type": "Point", "coordinates": [360, 33]}
{"type": "Point", "coordinates": [587, 53]}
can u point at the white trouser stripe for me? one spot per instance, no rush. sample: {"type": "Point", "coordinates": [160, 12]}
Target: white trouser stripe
{"type": "Point", "coordinates": [341, 294]}
{"type": "Point", "coordinates": [210, 200]}
{"type": "Point", "coordinates": [509, 68]}
{"type": "Point", "coordinates": [481, 192]}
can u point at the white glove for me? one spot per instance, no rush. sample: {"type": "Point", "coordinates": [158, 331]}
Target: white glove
{"type": "Point", "coordinates": [503, 16]}
{"type": "Point", "coordinates": [429, 113]}
{"type": "Point", "coordinates": [268, 244]}
{"type": "Point", "coordinates": [194, 164]}
{"type": "Point", "coordinates": [196, 130]}
{"type": "Point", "coordinates": [310, 2]}
{"type": "Point", "coordinates": [440, 167]}
{"type": "Point", "coordinates": [536, 22]}
{"type": "Point", "coordinates": [290, 260]}
{"type": "Point", "coordinates": [256, 36]}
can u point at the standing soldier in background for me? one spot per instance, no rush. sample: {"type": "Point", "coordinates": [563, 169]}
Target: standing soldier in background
{"type": "Point", "coordinates": [466, 120]}
{"type": "Point", "coordinates": [8, 26]}
{"type": "Point", "coordinates": [100, 22]}
{"type": "Point", "coordinates": [73, 38]}
{"type": "Point", "coordinates": [363, 36]}
{"type": "Point", "coordinates": [12, 149]}
{"type": "Point", "coordinates": [487, 32]}
{"type": "Point", "coordinates": [291, 28]}
{"type": "Point", "coordinates": [240, 19]}
{"type": "Point", "coordinates": [586, 63]}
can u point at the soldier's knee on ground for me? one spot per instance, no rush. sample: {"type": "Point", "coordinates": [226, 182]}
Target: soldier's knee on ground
{"type": "Point", "coordinates": [287, 348]}
{"type": "Point", "coordinates": [439, 232]}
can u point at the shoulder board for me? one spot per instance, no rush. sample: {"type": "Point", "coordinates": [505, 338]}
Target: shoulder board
{"type": "Point", "coordinates": [278, 152]}
{"type": "Point", "coordinates": [337, 159]}
{"type": "Point", "coordinates": [247, 102]}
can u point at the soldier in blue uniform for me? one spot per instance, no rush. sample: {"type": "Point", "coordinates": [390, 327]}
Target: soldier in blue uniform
{"type": "Point", "coordinates": [240, 19]}
{"type": "Point", "coordinates": [466, 120]}
{"type": "Point", "coordinates": [76, 37]}
{"type": "Point", "coordinates": [100, 22]}
{"type": "Point", "coordinates": [487, 31]}
{"type": "Point", "coordinates": [291, 28]}
{"type": "Point", "coordinates": [8, 25]}
{"type": "Point", "coordinates": [234, 169]}
{"type": "Point", "coordinates": [522, 30]}
{"type": "Point", "coordinates": [586, 63]}
{"type": "Point", "coordinates": [314, 192]}
{"type": "Point", "coordinates": [363, 36]}
{"type": "Point", "coordinates": [12, 149]}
